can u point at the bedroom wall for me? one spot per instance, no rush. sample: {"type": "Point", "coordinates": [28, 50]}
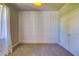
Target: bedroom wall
{"type": "Point", "coordinates": [38, 27]}
{"type": "Point", "coordinates": [14, 24]}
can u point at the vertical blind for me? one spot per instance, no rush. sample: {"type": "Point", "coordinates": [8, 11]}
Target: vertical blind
{"type": "Point", "coordinates": [1, 20]}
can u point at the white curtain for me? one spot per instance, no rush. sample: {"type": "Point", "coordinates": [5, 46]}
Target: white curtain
{"type": "Point", "coordinates": [0, 29]}
{"type": "Point", "coordinates": [0, 20]}
{"type": "Point", "coordinates": [5, 30]}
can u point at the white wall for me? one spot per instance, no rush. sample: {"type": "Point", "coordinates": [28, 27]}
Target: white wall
{"type": "Point", "coordinates": [38, 27]}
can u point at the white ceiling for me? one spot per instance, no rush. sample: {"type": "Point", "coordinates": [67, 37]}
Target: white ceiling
{"type": "Point", "coordinates": [44, 7]}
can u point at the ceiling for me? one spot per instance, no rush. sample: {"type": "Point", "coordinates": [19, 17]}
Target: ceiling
{"type": "Point", "coordinates": [44, 7]}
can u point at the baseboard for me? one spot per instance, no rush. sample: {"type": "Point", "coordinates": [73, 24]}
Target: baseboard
{"type": "Point", "coordinates": [39, 42]}
{"type": "Point", "coordinates": [31, 43]}
{"type": "Point", "coordinates": [15, 44]}
{"type": "Point", "coordinates": [9, 51]}
{"type": "Point", "coordinates": [66, 49]}
{"type": "Point", "coordinates": [36, 43]}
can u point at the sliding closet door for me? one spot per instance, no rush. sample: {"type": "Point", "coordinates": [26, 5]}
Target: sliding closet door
{"type": "Point", "coordinates": [28, 27]}
{"type": "Point", "coordinates": [50, 26]}
{"type": "Point", "coordinates": [38, 27]}
{"type": "Point", "coordinates": [46, 26]}
{"type": "Point", "coordinates": [54, 27]}
{"type": "Point", "coordinates": [39, 24]}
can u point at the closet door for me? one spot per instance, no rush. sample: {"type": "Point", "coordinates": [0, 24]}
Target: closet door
{"type": "Point", "coordinates": [50, 26]}
{"type": "Point", "coordinates": [74, 33]}
{"type": "Point", "coordinates": [64, 32]}
{"type": "Point", "coordinates": [46, 26]}
{"type": "Point", "coordinates": [39, 27]}
{"type": "Point", "coordinates": [28, 27]}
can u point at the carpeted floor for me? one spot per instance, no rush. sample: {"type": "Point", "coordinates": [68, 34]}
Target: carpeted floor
{"type": "Point", "coordinates": [40, 50]}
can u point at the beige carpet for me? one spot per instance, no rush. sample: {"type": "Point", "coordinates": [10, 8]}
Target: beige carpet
{"type": "Point", "coordinates": [40, 50]}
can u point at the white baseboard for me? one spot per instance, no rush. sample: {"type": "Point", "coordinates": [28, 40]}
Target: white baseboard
{"type": "Point", "coordinates": [39, 42]}
{"type": "Point", "coordinates": [15, 44]}
{"type": "Point", "coordinates": [67, 49]}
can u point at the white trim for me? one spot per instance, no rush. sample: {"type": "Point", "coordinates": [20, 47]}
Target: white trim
{"type": "Point", "coordinates": [68, 50]}
{"type": "Point", "coordinates": [15, 44]}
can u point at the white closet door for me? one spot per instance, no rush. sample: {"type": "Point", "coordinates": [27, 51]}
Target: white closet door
{"type": "Point", "coordinates": [39, 27]}
{"type": "Point", "coordinates": [49, 26]}
{"type": "Point", "coordinates": [69, 34]}
{"type": "Point", "coordinates": [74, 33]}
{"type": "Point", "coordinates": [64, 29]}
{"type": "Point", "coordinates": [28, 24]}
{"type": "Point", "coordinates": [54, 27]}
{"type": "Point", "coordinates": [46, 26]}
